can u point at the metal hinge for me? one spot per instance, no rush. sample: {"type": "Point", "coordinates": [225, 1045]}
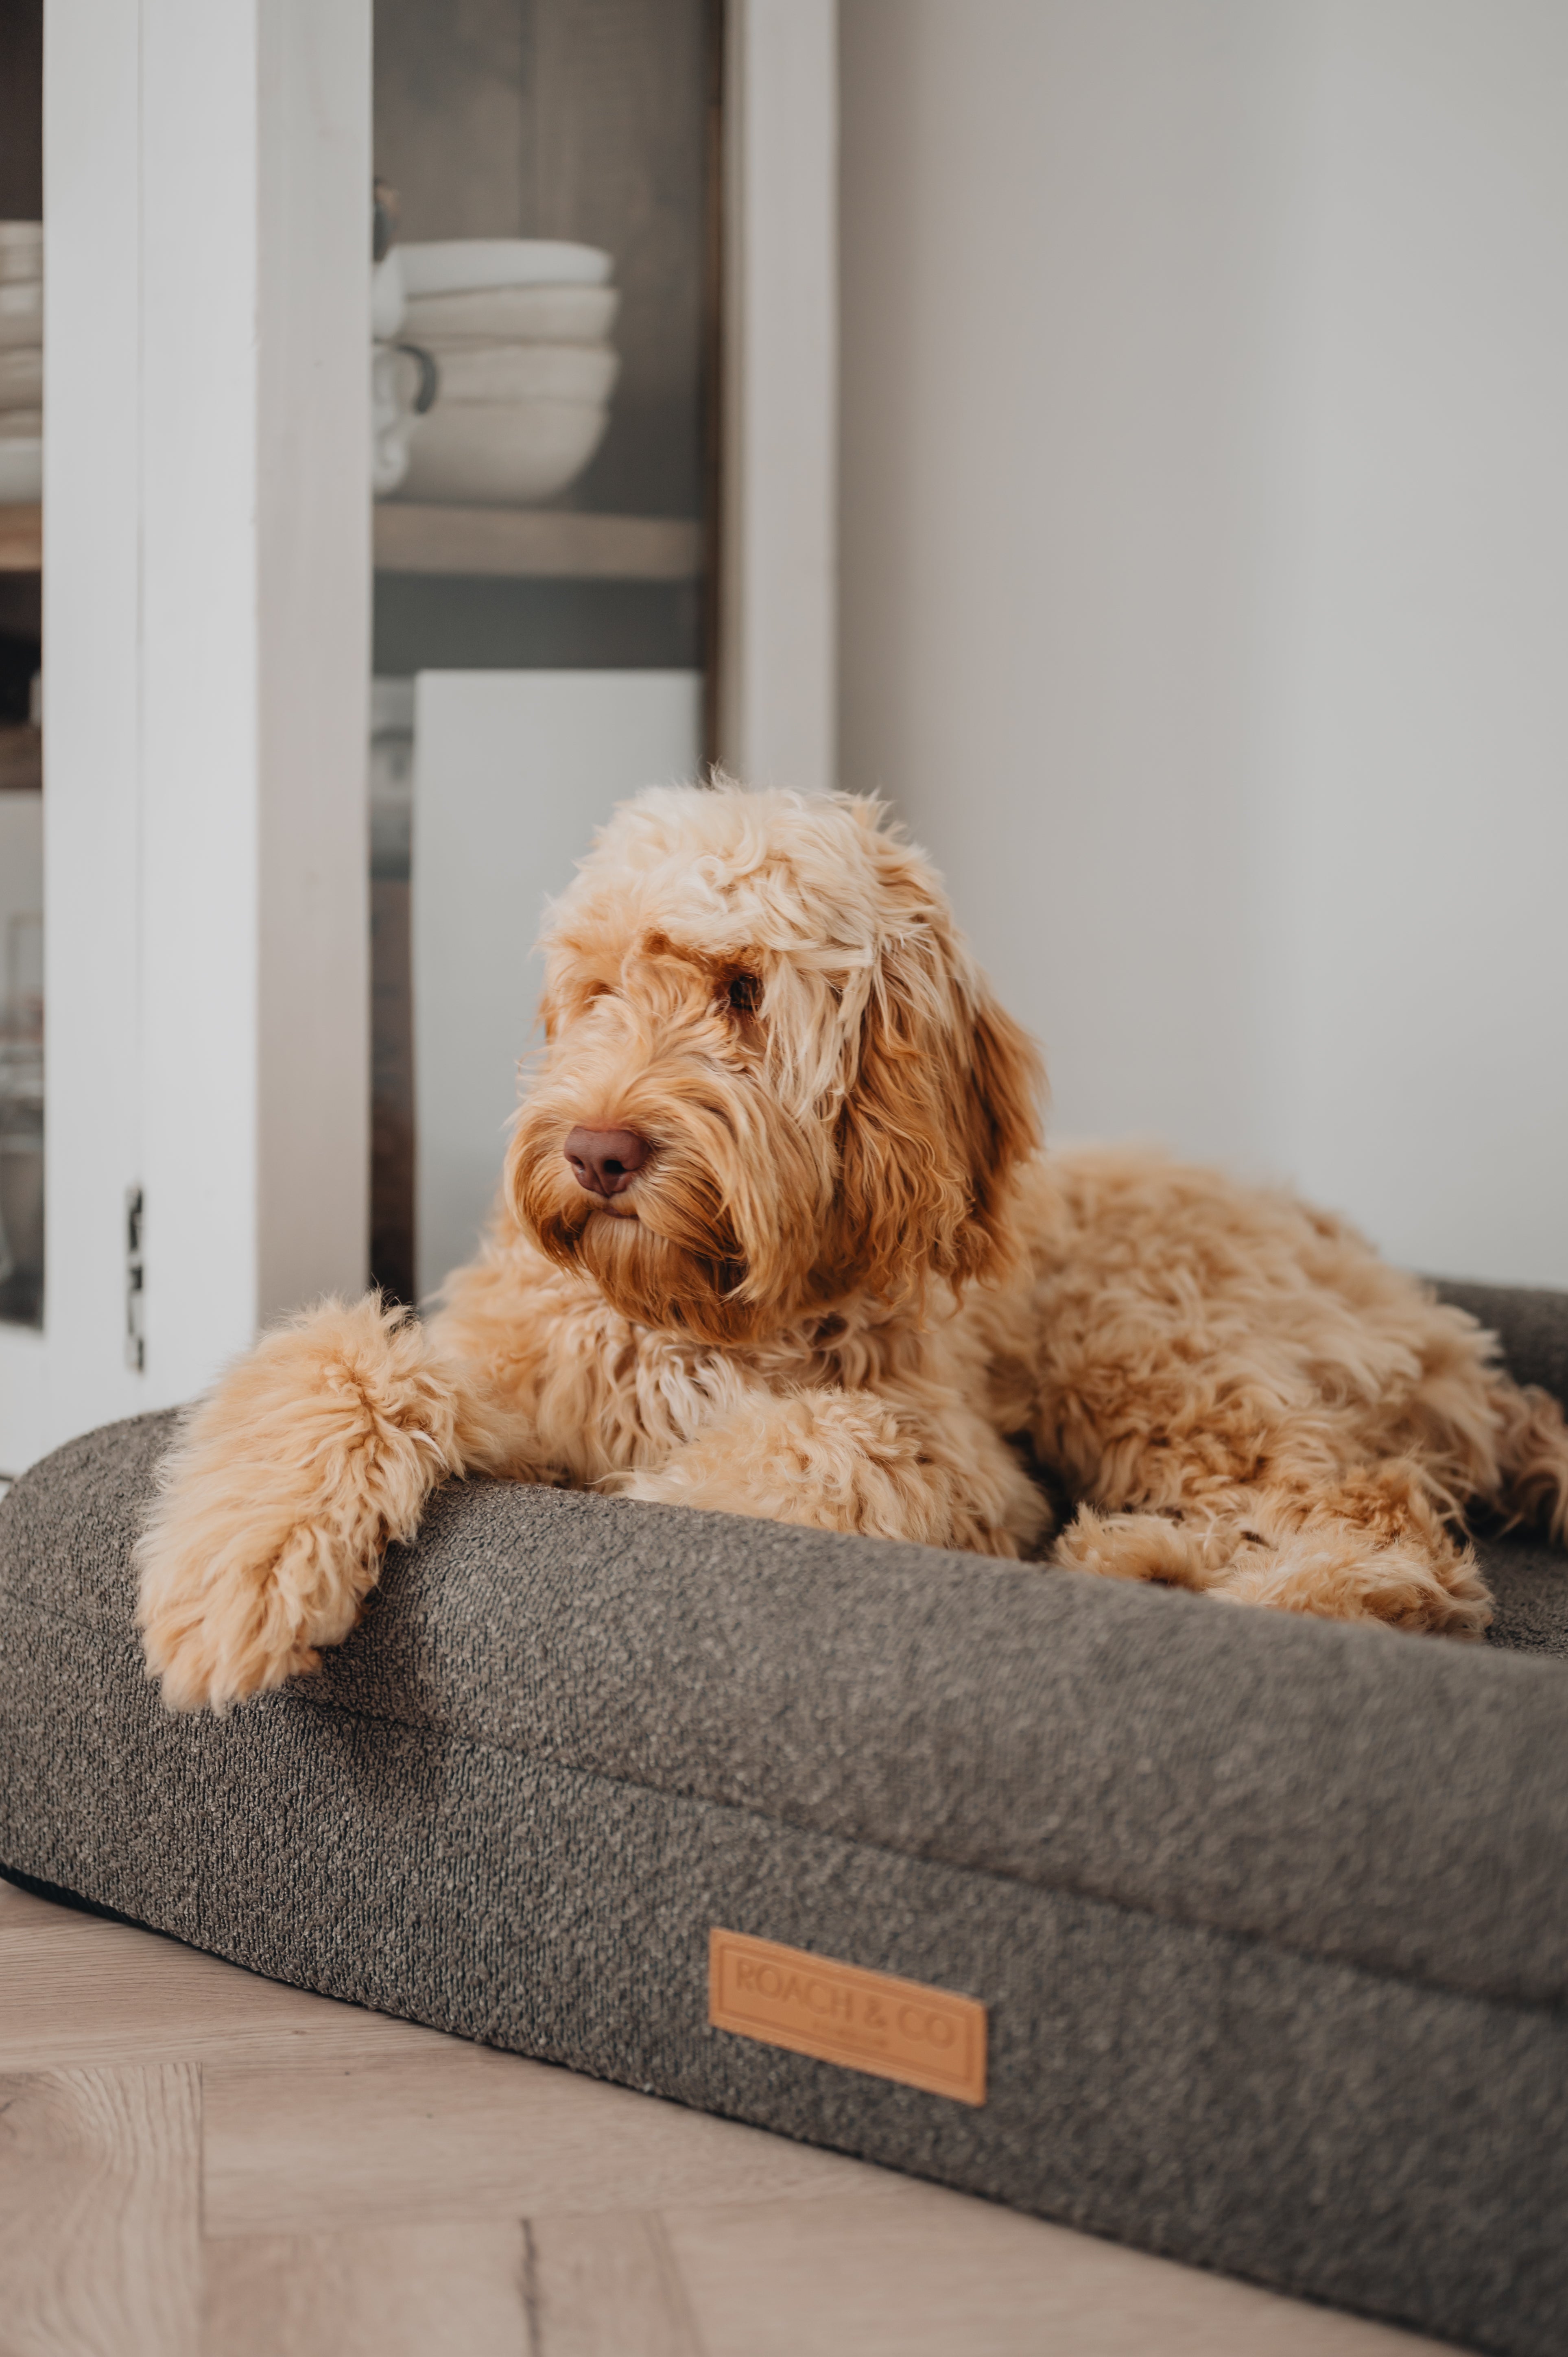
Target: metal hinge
{"type": "Point", "coordinates": [135, 1333]}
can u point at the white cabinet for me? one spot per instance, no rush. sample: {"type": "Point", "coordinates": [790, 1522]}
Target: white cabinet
{"type": "Point", "coordinates": [207, 622]}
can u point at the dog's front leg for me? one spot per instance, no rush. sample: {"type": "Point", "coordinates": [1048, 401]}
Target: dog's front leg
{"type": "Point", "coordinates": [316, 1450]}
{"type": "Point", "coordinates": [849, 1461]}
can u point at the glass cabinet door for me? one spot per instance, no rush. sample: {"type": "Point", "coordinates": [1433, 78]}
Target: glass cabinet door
{"type": "Point", "coordinates": [543, 373]}
{"type": "Point", "coordinates": [21, 751]}
{"type": "Point", "coordinates": [325, 273]}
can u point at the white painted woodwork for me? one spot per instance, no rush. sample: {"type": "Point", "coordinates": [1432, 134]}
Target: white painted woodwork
{"type": "Point", "coordinates": [777, 673]}
{"type": "Point", "coordinates": [255, 635]}
{"type": "Point", "coordinates": [92, 923]}
{"type": "Point", "coordinates": [313, 469]}
{"type": "Point", "coordinates": [206, 587]}
{"type": "Point", "coordinates": [513, 770]}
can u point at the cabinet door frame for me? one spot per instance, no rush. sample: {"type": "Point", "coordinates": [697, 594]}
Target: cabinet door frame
{"type": "Point", "coordinates": [207, 580]}
{"type": "Point", "coordinates": [778, 702]}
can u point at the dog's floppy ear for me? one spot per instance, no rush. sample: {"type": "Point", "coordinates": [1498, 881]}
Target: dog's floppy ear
{"type": "Point", "coordinates": [999, 1123]}
{"type": "Point", "coordinates": [942, 1110]}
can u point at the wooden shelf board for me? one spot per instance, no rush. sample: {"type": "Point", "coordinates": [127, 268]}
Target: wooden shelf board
{"type": "Point", "coordinates": [21, 539]}
{"type": "Point", "coordinates": [540, 543]}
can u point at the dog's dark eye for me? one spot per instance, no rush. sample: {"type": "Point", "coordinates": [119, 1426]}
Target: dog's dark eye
{"type": "Point", "coordinates": [744, 993]}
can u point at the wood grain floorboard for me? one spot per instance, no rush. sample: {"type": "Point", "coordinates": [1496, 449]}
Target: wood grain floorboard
{"type": "Point", "coordinates": [406, 2291]}
{"type": "Point", "coordinates": [917, 2272]}
{"type": "Point", "coordinates": [100, 2212]}
{"type": "Point", "coordinates": [607, 2287]}
{"type": "Point", "coordinates": [18, 1907]}
{"type": "Point", "coordinates": [79, 1991]}
{"type": "Point", "coordinates": [367, 2184]}
{"type": "Point", "coordinates": [470, 2133]}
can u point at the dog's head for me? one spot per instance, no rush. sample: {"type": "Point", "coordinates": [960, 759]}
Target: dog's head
{"type": "Point", "coordinates": [774, 1077]}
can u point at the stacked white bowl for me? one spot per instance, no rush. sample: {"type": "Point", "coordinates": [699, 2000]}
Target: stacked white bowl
{"type": "Point", "coordinates": [21, 361]}
{"type": "Point", "coordinates": [519, 329]}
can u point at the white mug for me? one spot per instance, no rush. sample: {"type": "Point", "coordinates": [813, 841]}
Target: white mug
{"type": "Point", "coordinates": [388, 301]}
{"type": "Point", "coordinates": [404, 381]}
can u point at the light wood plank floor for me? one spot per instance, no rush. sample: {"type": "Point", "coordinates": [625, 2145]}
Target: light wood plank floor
{"type": "Point", "coordinates": [196, 2163]}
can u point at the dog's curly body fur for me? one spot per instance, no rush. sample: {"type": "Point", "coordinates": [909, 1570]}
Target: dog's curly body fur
{"type": "Point", "coordinates": [848, 1290]}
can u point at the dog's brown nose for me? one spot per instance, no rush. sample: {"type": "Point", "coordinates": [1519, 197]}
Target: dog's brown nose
{"type": "Point", "coordinates": [604, 1160]}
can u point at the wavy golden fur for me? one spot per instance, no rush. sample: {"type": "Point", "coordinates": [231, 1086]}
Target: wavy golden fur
{"type": "Point", "coordinates": [846, 1289]}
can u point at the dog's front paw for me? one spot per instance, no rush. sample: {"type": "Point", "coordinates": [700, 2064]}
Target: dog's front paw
{"type": "Point", "coordinates": [223, 1619]}
{"type": "Point", "coordinates": [312, 1452]}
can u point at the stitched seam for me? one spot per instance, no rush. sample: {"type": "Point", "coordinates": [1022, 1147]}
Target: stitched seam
{"type": "Point", "coordinates": [428, 1734]}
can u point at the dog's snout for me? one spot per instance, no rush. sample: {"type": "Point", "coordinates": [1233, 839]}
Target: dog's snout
{"type": "Point", "coordinates": [604, 1160]}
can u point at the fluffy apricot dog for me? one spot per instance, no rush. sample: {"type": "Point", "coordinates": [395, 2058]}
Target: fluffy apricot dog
{"type": "Point", "coordinates": [776, 1236]}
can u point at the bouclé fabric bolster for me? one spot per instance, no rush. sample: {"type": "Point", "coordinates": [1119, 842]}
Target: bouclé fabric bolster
{"type": "Point", "coordinates": [1268, 1916]}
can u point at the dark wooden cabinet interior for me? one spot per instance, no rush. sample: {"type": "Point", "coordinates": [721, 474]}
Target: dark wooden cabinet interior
{"type": "Point", "coordinates": [21, 198]}
{"type": "Point", "coordinates": [21, 110]}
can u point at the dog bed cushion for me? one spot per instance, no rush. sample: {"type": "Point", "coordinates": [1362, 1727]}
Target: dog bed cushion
{"type": "Point", "coordinates": [1268, 1916]}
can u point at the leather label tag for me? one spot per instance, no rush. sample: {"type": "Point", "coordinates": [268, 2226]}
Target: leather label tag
{"type": "Point", "coordinates": [867, 2021]}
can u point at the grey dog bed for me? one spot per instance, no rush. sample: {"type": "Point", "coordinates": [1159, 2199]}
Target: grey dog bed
{"type": "Point", "coordinates": [1270, 1915]}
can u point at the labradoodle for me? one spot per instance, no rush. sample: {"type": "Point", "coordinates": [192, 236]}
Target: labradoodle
{"type": "Point", "coordinates": [774, 1236]}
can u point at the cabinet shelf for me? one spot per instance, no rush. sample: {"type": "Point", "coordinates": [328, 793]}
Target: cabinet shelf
{"type": "Point", "coordinates": [21, 539]}
{"type": "Point", "coordinates": [541, 544]}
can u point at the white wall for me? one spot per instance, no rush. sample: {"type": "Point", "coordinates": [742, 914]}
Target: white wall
{"type": "Point", "coordinates": [1204, 567]}
{"type": "Point", "coordinates": [513, 772]}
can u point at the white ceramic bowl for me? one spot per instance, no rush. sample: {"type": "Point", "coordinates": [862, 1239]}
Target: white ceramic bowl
{"type": "Point", "coordinates": [511, 315]}
{"type": "Point", "coordinates": [21, 472]}
{"type": "Point", "coordinates": [454, 265]}
{"type": "Point", "coordinates": [396, 379]}
{"type": "Point", "coordinates": [501, 454]}
{"type": "Point", "coordinates": [22, 312]}
{"type": "Point", "coordinates": [21, 376]}
{"type": "Point", "coordinates": [525, 372]}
